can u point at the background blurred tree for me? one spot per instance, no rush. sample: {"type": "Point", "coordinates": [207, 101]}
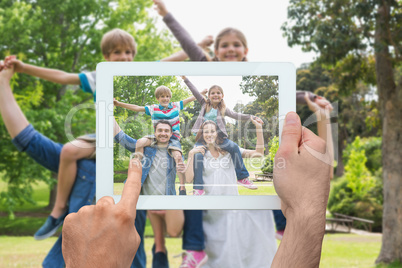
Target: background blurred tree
{"type": "Point", "coordinates": [359, 192]}
{"type": "Point", "coordinates": [265, 106]}
{"type": "Point", "coordinates": [345, 34]}
{"type": "Point", "coordinates": [66, 36]}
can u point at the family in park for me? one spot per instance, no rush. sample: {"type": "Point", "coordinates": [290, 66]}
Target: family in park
{"type": "Point", "coordinates": [216, 238]}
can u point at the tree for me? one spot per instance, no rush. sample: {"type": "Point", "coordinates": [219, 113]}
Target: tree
{"type": "Point", "coordinates": [345, 33]}
{"type": "Point", "coordinates": [63, 36]}
{"type": "Point", "coordinates": [265, 89]}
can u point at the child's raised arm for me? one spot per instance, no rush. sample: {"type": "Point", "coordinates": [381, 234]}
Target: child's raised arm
{"type": "Point", "coordinates": [187, 43]}
{"type": "Point", "coordinates": [239, 116]}
{"type": "Point", "coordinates": [52, 75]}
{"type": "Point", "coordinates": [322, 109]}
{"type": "Point", "coordinates": [182, 56]}
{"type": "Point", "coordinates": [259, 147]}
{"type": "Point", "coordinates": [194, 90]}
{"type": "Point", "coordinates": [131, 107]}
{"type": "Point", "coordinates": [190, 99]}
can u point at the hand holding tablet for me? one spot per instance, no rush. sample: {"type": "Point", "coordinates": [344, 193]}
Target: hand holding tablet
{"type": "Point", "coordinates": [103, 235]}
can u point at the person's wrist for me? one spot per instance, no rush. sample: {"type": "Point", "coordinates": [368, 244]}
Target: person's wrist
{"type": "Point", "coordinates": [5, 81]}
{"type": "Point", "coordinates": [323, 115]}
{"type": "Point", "coordinates": [307, 217]}
{"type": "Point", "coordinates": [21, 68]}
{"type": "Point", "coordinates": [164, 13]}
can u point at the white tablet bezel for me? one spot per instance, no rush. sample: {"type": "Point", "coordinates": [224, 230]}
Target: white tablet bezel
{"type": "Point", "coordinates": [105, 72]}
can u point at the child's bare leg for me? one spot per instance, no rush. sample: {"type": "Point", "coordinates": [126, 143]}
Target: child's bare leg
{"type": "Point", "coordinates": [180, 167]}
{"type": "Point", "coordinates": [157, 221]}
{"type": "Point", "coordinates": [13, 118]}
{"type": "Point", "coordinates": [69, 156]}
{"type": "Point", "coordinates": [140, 145]}
{"type": "Point", "coordinates": [174, 222]}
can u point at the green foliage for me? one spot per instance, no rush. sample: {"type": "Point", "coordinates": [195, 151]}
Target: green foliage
{"type": "Point", "coordinates": [312, 77]}
{"type": "Point", "coordinates": [273, 146]}
{"type": "Point", "coordinates": [265, 89]}
{"type": "Point", "coordinates": [64, 36]}
{"type": "Point", "coordinates": [187, 144]}
{"type": "Point", "coordinates": [358, 193]}
{"type": "Point", "coordinates": [265, 106]}
{"type": "Point", "coordinates": [372, 148]}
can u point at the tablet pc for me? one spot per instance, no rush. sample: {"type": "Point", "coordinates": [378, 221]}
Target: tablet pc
{"type": "Point", "coordinates": [246, 86]}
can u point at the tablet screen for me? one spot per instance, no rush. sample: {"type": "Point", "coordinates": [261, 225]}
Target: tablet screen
{"type": "Point", "coordinates": [218, 147]}
{"type": "Point", "coordinates": [141, 103]}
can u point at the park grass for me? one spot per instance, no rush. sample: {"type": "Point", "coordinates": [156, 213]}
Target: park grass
{"type": "Point", "coordinates": [339, 250]}
{"type": "Point", "coordinates": [253, 165]}
{"type": "Point", "coordinates": [264, 188]}
{"type": "Point", "coordinates": [40, 195]}
{"type": "Point", "coordinates": [350, 250]}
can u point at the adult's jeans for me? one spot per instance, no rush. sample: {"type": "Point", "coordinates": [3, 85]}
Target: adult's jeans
{"type": "Point", "coordinates": [193, 234]}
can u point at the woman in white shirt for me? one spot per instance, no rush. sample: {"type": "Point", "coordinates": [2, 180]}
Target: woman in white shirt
{"type": "Point", "coordinates": [233, 238]}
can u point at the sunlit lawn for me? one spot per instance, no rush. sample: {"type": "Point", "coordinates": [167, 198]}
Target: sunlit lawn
{"type": "Point", "coordinates": [253, 166]}
{"type": "Point", "coordinates": [339, 250]}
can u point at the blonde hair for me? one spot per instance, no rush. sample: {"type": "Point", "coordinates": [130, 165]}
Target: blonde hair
{"type": "Point", "coordinates": [161, 90]}
{"type": "Point", "coordinates": [117, 38]}
{"type": "Point", "coordinates": [221, 106]}
{"type": "Point", "coordinates": [227, 31]}
{"type": "Point", "coordinates": [200, 135]}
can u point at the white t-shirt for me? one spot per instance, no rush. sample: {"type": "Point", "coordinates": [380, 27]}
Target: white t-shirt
{"type": "Point", "coordinates": [234, 238]}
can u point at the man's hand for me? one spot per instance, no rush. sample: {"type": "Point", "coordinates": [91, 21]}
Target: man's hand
{"type": "Point", "coordinates": [257, 121]}
{"type": "Point", "coordinates": [300, 178]}
{"type": "Point", "coordinates": [204, 92]}
{"type": "Point", "coordinates": [320, 106]}
{"type": "Point", "coordinates": [160, 8]}
{"type": "Point", "coordinates": [206, 42]}
{"type": "Point", "coordinates": [116, 102]}
{"type": "Point", "coordinates": [11, 61]}
{"type": "Point", "coordinates": [103, 235]}
{"type": "Point", "coordinates": [6, 72]}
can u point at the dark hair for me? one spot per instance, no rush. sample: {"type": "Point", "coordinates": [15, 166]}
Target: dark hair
{"type": "Point", "coordinates": [164, 122]}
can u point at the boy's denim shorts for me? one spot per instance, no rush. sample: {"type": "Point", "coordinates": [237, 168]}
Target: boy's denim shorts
{"type": "Point", "coordinates": [40, 148]}
{"type": "Point", "coordinates": [47, 153]}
